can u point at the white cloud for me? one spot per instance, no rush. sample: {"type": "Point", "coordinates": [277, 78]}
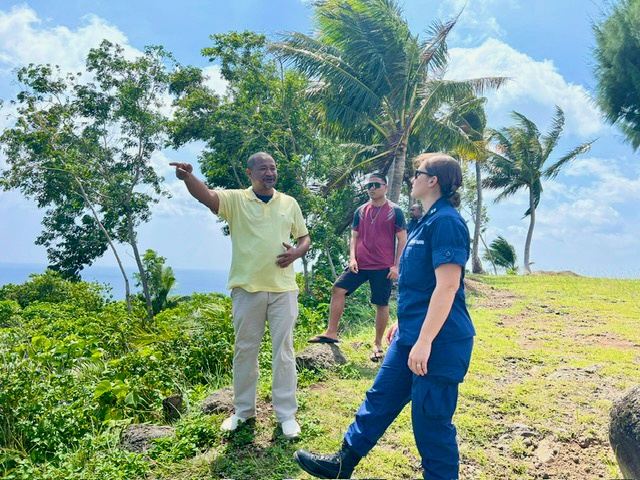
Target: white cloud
{"type": "Point", "coordinates": [25, 38]}
{"type": "Point", "coordinates": [475, 19]}
{"type": "Point", "coordinates": [609, 184]}
{"type": "Point", "coordinates": [215, 80]}
{"type": "Point", "coordinates": [587, 213]}
{"type": "Point", "coordinates": [532, 82]}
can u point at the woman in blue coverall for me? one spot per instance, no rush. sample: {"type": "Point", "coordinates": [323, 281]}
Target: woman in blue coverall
{"type": "Point", "coordinates": [430, 345]}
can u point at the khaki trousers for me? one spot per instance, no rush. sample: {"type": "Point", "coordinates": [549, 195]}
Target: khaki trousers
{"type": "Point", "coordinates": [250, 314]}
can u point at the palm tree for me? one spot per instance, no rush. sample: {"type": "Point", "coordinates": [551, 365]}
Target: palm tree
{"type": "Point", "coordinates": [503, 254]}
{"type": "Point", "coordinates": [379, 83]}
{"type": "Point", "coordinates": [616, 56]}
{"type": "Point", "coordinates": [473, 122]}
{"type": "Point", "coordinates": [518, 161]}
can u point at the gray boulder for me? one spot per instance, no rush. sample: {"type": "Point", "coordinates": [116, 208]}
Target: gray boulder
{"type": "Point", "coordinates": [137, 438]}
{"type": "Point", "coordinates": [321, 356]}
{"type": "Point", "coordinates": [220, 401]}
{"type": "Point", "coordinates": [624, 432]}
{"type": "Point", "coordinates": [173, 407]}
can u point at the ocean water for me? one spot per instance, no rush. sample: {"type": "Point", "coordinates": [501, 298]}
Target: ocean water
{"type": "Point", "coordinates": [188, 281]}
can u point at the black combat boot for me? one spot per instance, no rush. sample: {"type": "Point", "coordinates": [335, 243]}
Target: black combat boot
{"type": "Point", "coordinates": [337, 465]}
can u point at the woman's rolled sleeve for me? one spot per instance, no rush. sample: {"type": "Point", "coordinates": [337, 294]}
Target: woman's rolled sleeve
{"type": "Point", "coordinates": [449, 242]}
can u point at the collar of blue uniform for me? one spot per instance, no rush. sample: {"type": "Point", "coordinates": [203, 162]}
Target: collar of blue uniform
{"type": "Point", "coordinates": [441, 202]}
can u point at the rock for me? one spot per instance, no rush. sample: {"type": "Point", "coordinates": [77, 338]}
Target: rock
{"type": "Point", "coordinates": [624, 432]}
{"type": "Point", "coordinates": [137, 438]}
{"type": "Point", "coordinates": [571, 373]}
{"type": "Point", "coordinates": [545, 451]}
{"type": "Point", "coordinates": [521, 430]}
{"type": "Point", "coordinates": [586, 441]}
{"type": "Point", "coordinates": [220, 401]}
{"type": "Point", "coordinates": [321, 356]}
{"type": "Point", "coordinates": [591, 369]}
{"type": "Point", "coordinates": [173, 407]}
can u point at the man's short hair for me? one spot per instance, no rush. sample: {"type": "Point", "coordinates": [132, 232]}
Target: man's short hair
{"type": "Point", "coordinates": [257, 156]}
{"type": "Point", "coordinates": [379, 175]}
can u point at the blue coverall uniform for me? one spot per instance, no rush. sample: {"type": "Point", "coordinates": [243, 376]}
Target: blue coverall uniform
{"type": "Point", "coordinates": [441, 236]}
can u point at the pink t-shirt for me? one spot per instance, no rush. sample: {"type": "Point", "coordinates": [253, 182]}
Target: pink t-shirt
{"type": "Point", "coordinates": [377, 228]}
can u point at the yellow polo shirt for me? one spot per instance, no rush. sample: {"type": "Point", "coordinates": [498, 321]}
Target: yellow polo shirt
{"type": "Point", "coordinates": [257, 232]}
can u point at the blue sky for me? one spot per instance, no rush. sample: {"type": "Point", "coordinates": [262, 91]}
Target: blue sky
{"type": "Point", "coordinates": [588, 220]}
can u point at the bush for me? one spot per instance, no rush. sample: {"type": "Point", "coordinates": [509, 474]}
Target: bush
{"type": "Point", "coordinates": [53, 288]}
{"type": "Point", "coordinates": [9, 311]}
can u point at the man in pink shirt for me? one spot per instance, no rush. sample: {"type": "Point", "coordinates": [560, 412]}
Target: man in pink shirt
{"type": "Point", "coordinates": [378, 238]}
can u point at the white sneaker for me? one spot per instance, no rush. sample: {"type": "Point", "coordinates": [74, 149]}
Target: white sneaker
{"type": "Point", "coordinates": [290, 429]}
{"type": "Point", "coordinates": [231, 424]}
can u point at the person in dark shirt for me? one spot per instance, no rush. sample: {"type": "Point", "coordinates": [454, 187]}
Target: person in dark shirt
{"type": "Point", "coordinates": [415, 214]}
{"type": "Point", "coordinates": [430, 345]}
{"type": "Point", "coordinates": [378, 238]}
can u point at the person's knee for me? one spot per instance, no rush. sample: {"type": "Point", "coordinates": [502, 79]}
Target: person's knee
{"type": "Point", "coordinates": [338, 292]}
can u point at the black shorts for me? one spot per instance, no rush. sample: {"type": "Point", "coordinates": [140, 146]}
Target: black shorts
{"type": "Point", "coordinates": [378, 281]}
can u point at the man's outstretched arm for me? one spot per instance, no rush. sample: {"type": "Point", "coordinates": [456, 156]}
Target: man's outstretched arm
{"type": "Point", "coordinates": [196, 187]}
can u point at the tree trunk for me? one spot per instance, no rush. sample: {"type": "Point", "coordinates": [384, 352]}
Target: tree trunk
{"type": "Point", "coordinates": [527, 243]}
{"type": "Point", "coordinates": [398, 173]}
{"type": "Point", "coordinates": [331, 265]}
{"type": "Point", "coordinates": [476, 264]}
{"type": "Point", "coordinates": [127, 290]}
{"type": "Point", "coordinates": [307, 280]}
{"type": "Point", "coordinates": [143, 275]}
{"type": "Point", "coordinates": [488, 250]}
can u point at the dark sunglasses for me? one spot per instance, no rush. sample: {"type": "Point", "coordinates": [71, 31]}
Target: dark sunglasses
{"type": "Point", "coordinates": [375, 185]}
{"type": "Point", "coordinates": [421, 172]}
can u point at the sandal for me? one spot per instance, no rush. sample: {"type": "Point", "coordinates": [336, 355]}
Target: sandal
{"type": "Point", "coordinates": [377, 354]}
{"type": "Point", "coordinates": [323, 339]}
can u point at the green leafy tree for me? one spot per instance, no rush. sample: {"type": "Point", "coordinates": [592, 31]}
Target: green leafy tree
{"type": "Point", "coordinates": [518, 161]}
{"type": "Point", "coordinates": [160, 280]}
{"type": "Point", "coordinates": [617, 68]}
{"type": "Point", "coordinates": [379, 84]}
{"type": "Point", "coordinates": [502, 254]}
{"type": "Point", "coordinates": [82, 150]}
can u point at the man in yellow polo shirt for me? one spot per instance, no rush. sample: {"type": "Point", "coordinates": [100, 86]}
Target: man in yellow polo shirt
{"type": "Point", "coordinates": [262, 222]}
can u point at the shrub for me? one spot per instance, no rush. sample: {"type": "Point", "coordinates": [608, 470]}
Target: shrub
{"type": "Point", "coordinates": [53, 288]}
{"type": "Point", "coordinates": [9, 313]}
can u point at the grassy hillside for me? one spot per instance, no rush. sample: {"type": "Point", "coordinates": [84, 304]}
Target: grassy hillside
{"type": "Point", "coordinates": [551, 355]}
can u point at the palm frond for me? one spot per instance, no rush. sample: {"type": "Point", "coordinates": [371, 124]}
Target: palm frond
{"type": "Point", "coordinates": [368, 157]}
{"type": "Point", "coordinates": [502, 253]}
{"type": "Point", "coordinates": [434, 50]}
{"type": "Point", "coordinates": [535, 190]}
{"type": "Point", "coordinates": [316, 59]}
{"type": "Point", "coordinates": [554, 169]}
{"type": "Point", "coordinates": [550, 140]}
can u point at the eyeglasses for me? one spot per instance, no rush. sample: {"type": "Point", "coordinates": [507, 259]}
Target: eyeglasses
{"type": "Point", "coordinates": [421, 172]}
{"type": "Point", "coordinates": [375, 185]}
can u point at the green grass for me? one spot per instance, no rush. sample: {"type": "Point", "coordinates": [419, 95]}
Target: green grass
{"type": "Point", "coordinates": [552, 353]}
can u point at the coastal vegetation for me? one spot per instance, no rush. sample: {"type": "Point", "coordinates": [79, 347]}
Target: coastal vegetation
{"type": "Point", "coordinates": [78, 367]}
{"type": "Point", "coordinates": [75, 370]}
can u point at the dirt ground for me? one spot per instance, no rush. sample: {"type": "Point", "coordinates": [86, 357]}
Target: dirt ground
{"type": "Point", "coordinates": [552, 454]}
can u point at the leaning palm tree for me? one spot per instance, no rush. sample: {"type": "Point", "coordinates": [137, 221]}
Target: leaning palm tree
{"type": "Point", "coordinates": [379, 83]}
{"type": "Point", "coordinates": [517, 161]}
{"type": "Point", "coordinates": [502, 254]}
